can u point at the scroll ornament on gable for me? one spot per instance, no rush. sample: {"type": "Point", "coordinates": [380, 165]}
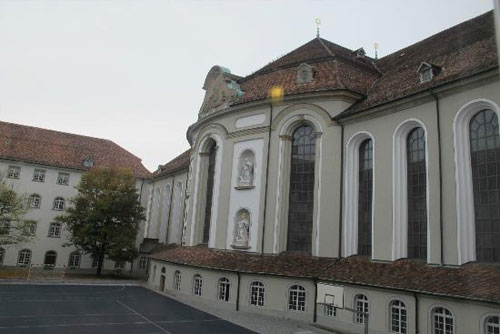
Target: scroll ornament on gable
{"type": "Point", "coordinates": [221, 88]}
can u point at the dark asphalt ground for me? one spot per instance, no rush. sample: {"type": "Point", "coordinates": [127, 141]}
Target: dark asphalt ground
{"type": "Point", "coordinates": [77, 309]}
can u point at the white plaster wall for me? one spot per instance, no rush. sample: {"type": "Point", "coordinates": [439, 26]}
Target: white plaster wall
{"type": "Point", "coordinates": [248, 198]}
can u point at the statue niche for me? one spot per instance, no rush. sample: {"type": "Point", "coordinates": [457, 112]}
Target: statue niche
{"type": "Point", "coordinates": [241, 231]}
{"type": "Point", "coordinates": [246, 170]}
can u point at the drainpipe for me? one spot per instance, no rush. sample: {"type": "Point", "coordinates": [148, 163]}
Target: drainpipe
{"type": "Point", "coordinates": [238, 292]}
{"type": "Point", "coordinates": [416, 313]}
{"type": "Point", "coordinates": [438, 117]}
{"type": "Point", "coordinates": [341, 209]}
{"type": "Point", "coordinates": [267, 177]}
{"type": "Point", "coordinates": [315, 282]}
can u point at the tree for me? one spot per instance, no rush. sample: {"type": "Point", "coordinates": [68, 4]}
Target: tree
{"type": "Point", "coordinates": [13, 206]}
{"type": "Point", "coordinates": [105, 215]}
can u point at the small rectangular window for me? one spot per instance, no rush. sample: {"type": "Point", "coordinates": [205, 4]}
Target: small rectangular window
{"type": "Point", "coordinates": [14, 172]}
{"type": "Point", "coordinates": [39, 175]}
{"type": "Point", "coordinates": [63, 178]}
{"type": "Point", "coordinates": [4, 227]}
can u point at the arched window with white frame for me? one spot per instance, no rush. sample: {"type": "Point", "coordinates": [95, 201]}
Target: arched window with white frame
{"type": "Point", "coordinates": [361, 308]}
{"type": "Point", "coordinates": [257, 293]}
{"type": "Point", "coordinates": [177, 280]}
{"type": "Point", "coordinates": [197, 285]}
{"type": "Point", "coordinates": [59, 203]}
{"type": "Point", "coordinates": [35, 201]}
{"type": "Point", "coordinates": [492, 325]}
{"type": "Point", "coordinates": [358, 195]}
{"type": "Point", "coordinates": [442, 321]}
{"type": "Point", "coordinates": [297, 298]}
{"type": "Point", "coordinates": [224, 289]}
{"type": "Point", "coordinates": [410, 183]}
{"type": "Point", "coordinates": [398, 321]}
{"type": "Point", "coordinates": [476, 140]}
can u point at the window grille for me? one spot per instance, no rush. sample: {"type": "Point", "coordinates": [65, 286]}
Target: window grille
{"type": "Point", "coordinates": [417, 194]}
{"type": "Point", "coordinates": [257, 294]}
{"type": "Point", "coordinates": [24, 258]}
{"type": "Point", "coordinates": [297, 298]}
{"type": "Point", "coordinates": [35, 201]}
{"type": "Point", "coordinates": [361, 307]}
{"type": "Point", "coordinates": [398, 317]}
{"type": "Point", "coordinates": [330, 310]}
{"type": "Point", "coordinates": [59, 204]}
{"type": "Point", "coordinates": [143, 263]}
{"type": "Point", "coordinates": [224, 288]}
{"type": "Point", "coordinates": [485, 162]}
{"type": "Point", "coordinates": [197, 283]}
{"type": "Point", "coordinates": [177, 280]}
{"type": "Point", "coordinates": [63, 178]}
{"type": "Point", "coordinates": [55, 230]}
{"type": "Point", "coordinates": [301, 201]}
{"type": "Point", "coordinates": [442, 321]}
{"type": "Point", "coordinates": [492, 325]}
{"type": "Point", "coordinates": [4, 227]}
{"type": "Point", "coordinates": [39, 175]}
{"type": "Point", "coordinates": [365, 197]}
{"type": "Point", "coordinates": [74, 260]}
{"type": "Point", "coordinates": [14, 172]}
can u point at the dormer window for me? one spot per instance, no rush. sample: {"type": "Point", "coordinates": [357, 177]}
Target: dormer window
{"type": "Point", "coordinates": [88, 162]}
{"type": "Point", "coordinates": [304, 74]}
{"type": "Point", "coordinates": [427, 72]}
{"type": "Point", "coordinates": [360, 53]}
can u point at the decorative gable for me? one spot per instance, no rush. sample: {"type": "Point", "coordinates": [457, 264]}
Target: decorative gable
{"type": "Point", "coordinates": [221, 89]}
{"type": "Point", "coordinates": [305, 74]}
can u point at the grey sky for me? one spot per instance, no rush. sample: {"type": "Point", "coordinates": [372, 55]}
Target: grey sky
{"type": "Point", "coordinates": [132, 71]}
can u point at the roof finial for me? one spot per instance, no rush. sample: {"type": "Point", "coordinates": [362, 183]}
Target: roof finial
{"type": "Point", "coordinates": [375, 46]}
{"type": "Point", "coordinates": [318, 22]}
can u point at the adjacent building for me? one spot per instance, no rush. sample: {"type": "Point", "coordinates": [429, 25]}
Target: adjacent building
{"type": "Point", "coordinates": [359, 192]}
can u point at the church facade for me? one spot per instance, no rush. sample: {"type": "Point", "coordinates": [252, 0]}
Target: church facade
{"type": "Point", "coordinates": [343, 190]}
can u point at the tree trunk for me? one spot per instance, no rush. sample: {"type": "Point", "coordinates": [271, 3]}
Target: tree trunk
{"type": "Point", "coordinates": [99, 264]}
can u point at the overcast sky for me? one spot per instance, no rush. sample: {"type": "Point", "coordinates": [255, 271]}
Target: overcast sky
{"type": "Point", "coordinates": [132, 71]}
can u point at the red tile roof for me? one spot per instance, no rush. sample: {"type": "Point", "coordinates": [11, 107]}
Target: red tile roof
{"type": "Point", "coordinates": [175, 165]}
{"type": "Point", "coordinates": [461, 51]}
{"type": "Point", "coordinates": [472, 281]}
{"type": "Point", "coordinates": [59, 149]}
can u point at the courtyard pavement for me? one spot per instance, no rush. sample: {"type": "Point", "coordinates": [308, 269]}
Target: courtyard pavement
{"type": "Point", "coordinates": [79, 309]}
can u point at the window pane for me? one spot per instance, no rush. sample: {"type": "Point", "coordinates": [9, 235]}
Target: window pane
{"type": "Point", "coordinates": [365, 198]}
{"type": "Point", "coordinates": [485, 160]}
{"type": "Point", "coordinates": [417, 194]}
{"type": "Point", "coordinates": [210, 190]}
{"type": "Point", "coordinates": [301, 203]}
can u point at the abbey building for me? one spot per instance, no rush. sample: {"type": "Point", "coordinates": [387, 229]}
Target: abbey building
{"type": "Point", "coordinates": [368, 196]}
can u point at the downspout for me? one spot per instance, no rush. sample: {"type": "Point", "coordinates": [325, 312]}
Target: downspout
{"type": "Point", "coordinates": [416, 313]}
{"type": "Point", "coordinates": [315, 282]}
{"type": "Point", "coordinates": [238, 292]}
{"type": "Point", "coordinates": [438, 117]}
{"type": "Point", "coordinates": [172, 189]}
{"type": "Point", "coordinates": [267, 177]}
{"type": "Point", "coordinates": [341, 209]}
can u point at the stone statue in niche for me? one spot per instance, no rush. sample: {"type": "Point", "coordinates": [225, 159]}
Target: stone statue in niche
{"type": "Point", "coordinates": [246, 170]}
{"type": "Point", "coordinates": [242, 230]}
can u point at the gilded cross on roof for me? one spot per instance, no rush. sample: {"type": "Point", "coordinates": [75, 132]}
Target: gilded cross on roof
{"type": "Point", "coordinates": [318, 22]}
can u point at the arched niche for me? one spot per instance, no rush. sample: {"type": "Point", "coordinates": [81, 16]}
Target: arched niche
{"type": "Point", "coordinates": [241, 229]}
{"type": "Point", "coordinates": [245, 179]}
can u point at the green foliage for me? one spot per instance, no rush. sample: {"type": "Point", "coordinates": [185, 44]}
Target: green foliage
{"type": "Point", "coordinates": [105, 215]}
{"type": "Point", "coordinates": [13, 206]}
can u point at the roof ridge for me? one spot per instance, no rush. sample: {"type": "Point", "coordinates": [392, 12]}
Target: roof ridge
{"type": "Point", "coordinates": [56, 131]}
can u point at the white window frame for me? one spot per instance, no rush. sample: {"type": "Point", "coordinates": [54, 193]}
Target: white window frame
{"type": "Point", "coordinates": [75, 259]}
{"type": "Point", "coordinates": [14, 172]}
{"type": "Point", "coordinates": [39, 175]}
{"type": "Point", "coordinates": [177, 280]}
{"type": "Point", "coordinates": [197, 285]}
{"type": "Point", "coordinates": [59, 203]}
{"type": "Point", "coordinates": [351, 192]}
{"type": "Point", "coordinates": [397, 307]}
{"type": "Point", "coordinates": [35, 201]}
{"type": "Point", "coordinates": [24, 257]}
{"type": "Point", "coordinates": [491, 327]}
{"type": "Point", "coordinates": [466, 226]}
{"type": "Point", "coordinates": [63, 178]}
{"type": "Point", "coordinates": [330, 310]}
{"type": "Point", "coordinates": [297, 298]}
{"type": "Point", "coordinates": [400, 188]}
{"type": "Point", "coordinates": [224, 290]}
{"type": "Point", "coordinates": [55, 230]}
{"type": "Point", "coordinates": [442, 317]}
{"type": "Point", "coordinates": [361, 304]}
{"type": "Point", "coordinates": [143, 263]}
{"type": "Point", "coordinates": [257, 293]}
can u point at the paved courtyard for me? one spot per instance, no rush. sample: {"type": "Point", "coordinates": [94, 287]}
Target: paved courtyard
{"type": "Point", "coordinates": [95, 309]}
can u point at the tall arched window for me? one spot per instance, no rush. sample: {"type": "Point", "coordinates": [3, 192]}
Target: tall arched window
{"type": "Point", "coordinates": [297, 298]}
{"type": "Point", "coordinates": [257, 291]}
{"type": "Point", "coordinates": [301, 203]}
{"type": "Point", "coordinates": [224, 288]}
{"type": "Point", "coordinates": [197, 284]}
{"type": "Point", "coordinates": [362, 309]}
{"type": "Point", "coordinates": [177, 280]}
{"type": "Point", "coordinates": [485, 162]}
{"type": "Point", "coordinates": [365, 198]}
{"type": "Point", "coordinates": [417, 194]}
{"type": "Point", "coordinates": [212, 153]}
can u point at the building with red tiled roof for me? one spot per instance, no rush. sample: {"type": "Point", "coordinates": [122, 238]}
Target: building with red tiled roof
{"type": "Point", "coordinates": [351, 192]}
{"type": "Point", "coordinates": [46, 165]}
